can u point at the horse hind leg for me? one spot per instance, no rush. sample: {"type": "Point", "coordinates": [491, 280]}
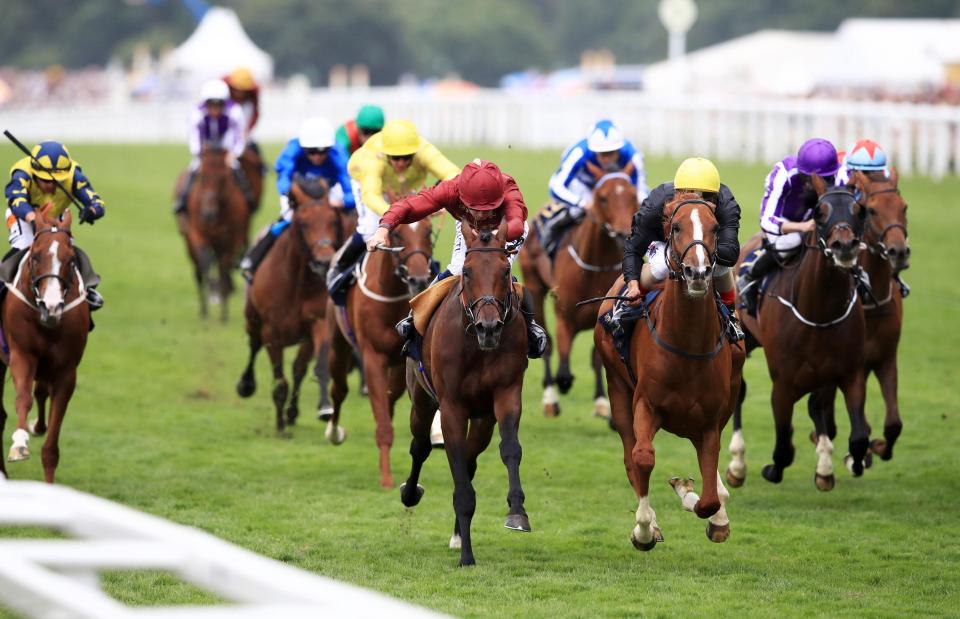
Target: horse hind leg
{"type": "Point", "coordinates": [892, 424]}
{"type": "Point", "coordinates": [280, 386]}
{"type": "Point", "coordinates": [61, 394]}
{"type": "Point", "coordinates": [737, 469]}
{"type": "Point", "coordinates": [783, 451]}
{"type": "Point", "coordinates": [300, 364]}
{"type": "Point", "coordinates": [421, 416]}
{"type": "Point", "coordinates": [247, 384]}
{"type": "Point", "coordinates": [3, 421]}
{"type": "Point", "coordinates": [601, 404]}
{"type": "Point", "coordinates": [339, 360]}
{"type": "Point", "coordinates": [40, 393]}
{"type": "Point", "coordinates": [820, 408]}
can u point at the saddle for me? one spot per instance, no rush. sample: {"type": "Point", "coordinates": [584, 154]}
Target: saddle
{"type": "Point", "coordinates": [621, 321]}
{"type": "Point", "coordinates": [425, 304]}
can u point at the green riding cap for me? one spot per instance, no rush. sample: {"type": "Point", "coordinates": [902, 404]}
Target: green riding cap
{"type": "Point", "coordinates": [370, 117]}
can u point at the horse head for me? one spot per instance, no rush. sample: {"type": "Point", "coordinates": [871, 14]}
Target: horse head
{"type": "Point", "coordinates": [212, 180]}
{"type": "Point", "coordinates": [487, 293]}
{"type": "Point", "coordinates": [316, 223]}
{"type": "Point", "coordinates": [839, 223]}
{"type": "Point", "coordinates": [52, 265]}
{"type": "Point", "coordinates": [690, 227]}
{"type": "Point", "coordinates": [614, 204]}
{"type": "Point", "coordinates": [412, 250]}
{"type": "Point", "coordinates": [886, 233]}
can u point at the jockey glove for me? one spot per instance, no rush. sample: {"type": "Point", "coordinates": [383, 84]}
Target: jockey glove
{"type": "Point", "coordinates": [91, 213]}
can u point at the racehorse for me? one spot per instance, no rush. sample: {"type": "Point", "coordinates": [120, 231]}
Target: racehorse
{"type": "Point", "coordinates": [811, 326]}
{"type": "Point", "coordinates": [46, 320]}
{"type": "Point", "coordinates": [586, 264]}
{"type": "Point", "coordinates": [251, 164]}
{"type": "Point", "coordinates": [474, 358]}
{"type": "Point", "coordinates": [386, 281]}
{"type": "Point", "coordinates": [286, 302]}
{"type": "Point", "coordinates": [218, 221]}
{"type": "Point", "coordinates": [687, 375]}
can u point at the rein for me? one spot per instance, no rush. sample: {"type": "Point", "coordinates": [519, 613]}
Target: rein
{"type": "Point", "coordinates": [679, 351]}
{"type": "Point", "coordinates": [593, 268]}
{"type": "Point", "coordinates": [361, 271]}
{"type": "Point", "coordinates": [14, 287]}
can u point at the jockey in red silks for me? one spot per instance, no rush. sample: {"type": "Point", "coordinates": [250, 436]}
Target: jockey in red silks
{"type": "Point", "coordinates": [482, 196]}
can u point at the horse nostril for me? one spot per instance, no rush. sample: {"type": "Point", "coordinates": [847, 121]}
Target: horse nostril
{"type": "Point", "coordinates": [906, 252]}
{"type": "Point", "coordinates": [688, 272]}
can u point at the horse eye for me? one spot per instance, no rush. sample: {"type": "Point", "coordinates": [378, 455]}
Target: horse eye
{"type": "Point", "coordinates": [676, 227]}
{"type": "Point", "coordinates": [871, 211]}
{"type": "Point", "coordinates": [466, 273]}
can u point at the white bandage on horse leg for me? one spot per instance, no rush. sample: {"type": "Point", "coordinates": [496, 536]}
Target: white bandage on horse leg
{"type": "Point", "coordinates": [738, 465]}
{"type": "Point", "coordinates": [643, 532]}
{"type": "Point", "coordinates": [20, 438]}
{"type": "Point", "coordinates": [720, 518]}
{"type": "Point", "coordinates": [824, 456]}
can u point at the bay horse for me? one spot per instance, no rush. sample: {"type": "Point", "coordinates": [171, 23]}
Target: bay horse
{"type": "Point", "coordinates": [287, 300]}
{"type": "Point", "coordinates": [218, 221]}
{"type": "Point", "coordinates": [811, 325]}
{"type": "Point", "coordinates": [687, 373]}
{"type": "Point", "coordinates": [586, 264]}
{"type": "Point", "coordinates": [251, 163]}
{"type": "Point", "coordinates": [386, 282]}
{"type": "Point", "coordinates": [474, 359]}
{"type": "Point", "coordinates": [46, 321]}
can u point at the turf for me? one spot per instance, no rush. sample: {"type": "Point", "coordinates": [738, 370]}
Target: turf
{"type": "Point", "coordinates": [156, 424]}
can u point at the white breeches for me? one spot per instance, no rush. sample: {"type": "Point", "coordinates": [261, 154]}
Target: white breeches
{"type": "Point", "coordinates": [657, 258]}
{"type": "Point", "coordinates": [785, 243]}
{"type": "Point", "coordinates": [21, 233]}
{"type": "Point", "coordinates": [367, 219]}
{"type": "Point", "coordinates": [460, 250]}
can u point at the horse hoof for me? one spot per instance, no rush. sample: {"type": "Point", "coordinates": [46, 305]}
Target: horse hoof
{"type": "Point", "coordinates": [325, 413]}
{"type": "Point", "coordinates": [813, 437]}
{"type": "Point", "coordinates": [467, 562]}
{"type": "Point", "coordinates": [292, 414]}
{"type": "Point", "coordinates": [35, 431]}
{"type": "Point", "coordinates": [518, 522]}
{"type": "Point", "coordinates": [564, 384]}
{"type": "Point", "coordinates": [717, 533]}
{"type": "Point", "coordinates": [824, 483]}
{"type": "Point", "coordinates": [408, 500]}
{"type": "Point", "coordinates": [335, 436]}
{"type": "Point", "coordinates": [246, 388]}
{"type": "Point", "coordinates": [386, 482]}
{"type": "Point", "coordinates": [879, 447]}
{"type": "Point", "coordinates": [601, 408]}
{"type": "Point", "coordinates": [646, 546]}
{"type": "Point", "coordinates": [855, 468]}
{"type": "Point", "coordinates": [18, 454]}
{"type": "Point", "coordinates": [455, 542]}
{"type": "Point", "coordinates": [772, 474]}
{"type": "Point", "coordinates": [733, 480]}
{"type": "Point", "coordinates": [551, 410]}
{"type": "Point", "coordinates": [364, 391]}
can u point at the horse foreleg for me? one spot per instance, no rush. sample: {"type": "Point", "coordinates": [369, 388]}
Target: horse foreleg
{"type": "Point", "coordinates": [422, 411]}
{"type": "Point", "coordinates": [646, 533]}
{"type": "Point", "coordinates": [854, 396]}
{"type": "Point", "coordinates": [784, 451]}
{"type": "Point", "coordinates": [601, 405]}
{"type": "Point", "coordinates": [3, 420]}
{"type": "Point", "coordinates": [339, 360]}
{"type": "Point", "coordinates": [454, 420]}
{"type": "Point", "coordinates": [737, 469]}
{"type": "Point", "coordinates": [247, 384]}
{"type": "Point", "coordinates": [40, 393]}
{"type": "Point", "coordinates": [280, 386]}
{"type": "Point", "coordinates": [376, 369]}
{"type": "Point", "coordinates": [226, 285]}
{"type": "Point", "coordinates": [507, 406]}
{"type": "Point", "coordinates": [892, 424]}
{"type": "Point", "coordinates": [60, 397]}
{"type": "Point", "coordinates": [23, 369]}
{"type": "Point", "coordinates": [820, 409]}
{"type": "Point", "coordinates": [478, 438]}
{"type": "Point", "coordinates": [565, 335]}
{"type": "Point", "coordinates": [300, 364]}
{"type": "Point", "coordinates": [322, 331]}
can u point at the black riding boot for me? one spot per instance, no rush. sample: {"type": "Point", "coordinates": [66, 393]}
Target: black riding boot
{"type": "Point", "coordinates": [344, 259]}
{"type": "Point", "coordinates": [90, 279]}
{"type": "Point", "coordinates": [734, 328]}
{"type": "Point", "coordinates": [254, 256]}
{"type": "Point", "coordinates": [180, 204]}
{"type": "Point", "coordinates": [245, 188]}
{"type": "Point", "coordinates": [749, 283]}
{"type": "Point", "coordinates": [552, 229]}
{"type": "Point", "coordinates": [536, 336]}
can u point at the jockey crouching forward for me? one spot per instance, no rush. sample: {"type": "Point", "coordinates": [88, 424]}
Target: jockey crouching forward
{"type": "Point", "coordinates": [393, 163]}
{"type": "Point", "coordinates": [699, 176]}
{"type": "Point", "coordinates": [33, 184]}
{"type": "Point", "coordinates": [312, 155]}
{"type": "Point", "coordinates": [483, 196]}
{"type": "Point", "coordinates": [353, 134]}
{"type": "Point", "coordinates": [571, 187]}
{"type": "Point", "coordinates": [217, 121]}
{"type": "Point", "coordinates": [787, 209]}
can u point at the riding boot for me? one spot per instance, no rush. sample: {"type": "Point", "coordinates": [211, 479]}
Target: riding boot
{"type": "Point", "coordinates": [734, 328]}
{"type": "Point", "coordinates": [254, 256]}
{"type": "Point", "coordinates": [90, 279]}
{"type": "Point", "coordinates": [180, 204]}
{"type": "Point", "coordinates": [748, 284]}
{"type": "Point", "coordinates": [343, 261]}
{"type": "Point", "coordinates": [536, 336]}
{"type": "Point", "coordinates": [245, 188]}
{"type": "Point", "coordinates": [553, 228]}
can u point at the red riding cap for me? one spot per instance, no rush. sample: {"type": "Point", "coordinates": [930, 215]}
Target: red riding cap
{"type": "Point", "coordinates": [481, 185]}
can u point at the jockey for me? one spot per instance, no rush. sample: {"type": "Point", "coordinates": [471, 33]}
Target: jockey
{"type": "Point", "coordinates": [482, 196]}
{"type": "Point", "coordinates": [393, 163]}
{"type": "Point", "coordinates": [312, 154]}
{"type": "Point", "coordinates": [571, 186]}
{"type": "Point", "coordinates": [353, 134]}
{"type": "Point", "coordinates": [786, 212]}
{"type": "Point", "coordinates": [216, 121]}
{"type": "Point", "coordinates": [33, 183]}
{"type": "Point", "coordinates": [700, 176]}
{"type": "Point", "coordinates": [245, 92]}
{"type": "Point", "coordinates": [865, 155]}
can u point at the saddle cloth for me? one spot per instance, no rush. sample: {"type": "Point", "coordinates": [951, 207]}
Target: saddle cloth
{"type": "Point", "coordinates": [425, 304]}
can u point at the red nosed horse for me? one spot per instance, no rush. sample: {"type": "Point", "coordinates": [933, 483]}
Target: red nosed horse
{"type": "Point", "coordinates": [585, 266]}
{"type": "Point", "coordinates": [387, 281]}
{"type": "Point", "coordinates": [218, 222]}
{"type": "Point", "coordinates": [687, 373]}
{"type": "Point", "coordinates": [286, 303]}
{"type": "Point", "coordinates": [811, 326]}
{"type": "Point", "coordinates": [474, 355]}
{"type": "Point", "coordinates": [46, 320]}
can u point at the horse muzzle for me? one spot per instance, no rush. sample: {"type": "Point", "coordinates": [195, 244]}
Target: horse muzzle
{"type": "Point", "coordinates": [417, 284]}
{"type": "Point", "coordinates": [319, 267]}
{"type": "Point", "coordinates": [898, 257]}
{"type": "Point", "coordinates": [697, 279]}
{"type": "Point", "coordinates": [488, 333]}
{"type": "Point", "coordinates": [845, 254]}
{"type": "Point", "coordinates": [50, 318]}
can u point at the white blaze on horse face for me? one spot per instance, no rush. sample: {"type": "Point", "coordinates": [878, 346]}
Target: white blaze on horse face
{"type": "Point", "coordinates": [53, 294]}
{"type": "Point", "coordinates": [698, 236]}
{"type": "Point", "coordinates": [414, 225]}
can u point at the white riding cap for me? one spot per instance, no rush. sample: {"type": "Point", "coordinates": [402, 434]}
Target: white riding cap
{"type": "Point", "coordinates": [214, 89]}
{"type": "Point", "coordinates": [605, 137]}
{"type": "Point", "coordinates": [316, 132]}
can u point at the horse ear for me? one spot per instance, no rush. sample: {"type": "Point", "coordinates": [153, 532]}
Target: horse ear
{"type": "Point", "coordinates": [860, 182]}
{"type": "Point", "coordinates": [297, 195]}
{"type": "Point", "coordinates": [894, 175]}
{"type": "Point", "coordinates": [502, 231]}
{"type": "Point", "coordinates": [629, 168]}
{"type": "Point", "coordinates": [595, 170]}
{"type": "Point", "coordinates": [819, 185]}
{"type": "Point", "coordinates": [66, 220]}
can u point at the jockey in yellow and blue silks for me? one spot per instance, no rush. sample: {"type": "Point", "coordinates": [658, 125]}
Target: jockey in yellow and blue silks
{"type": "Point", "coordinates": [313, 154]}
{"type": "Point", "coordinates": [31, 187]}
{"type": "Point", "coordinates": [604, 150]}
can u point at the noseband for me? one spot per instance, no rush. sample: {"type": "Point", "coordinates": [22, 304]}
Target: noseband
{"type": "Point", "coordinates": [879, 248]}
{"type": "Point", "coordinates": [504, 306]}
{"type": "Point", "coordinates": [821, 235]}
{"type": "Point", "coordinates": [37, 279]}
{"type": "Point", "coordinates": [607, 228]}
{"type": "Point", "coordinates": [678, 274]}
{"type": "Point", "coordinates": [401, 270]}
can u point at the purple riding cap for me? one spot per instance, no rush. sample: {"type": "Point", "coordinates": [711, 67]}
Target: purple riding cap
{"type": "Point", "coordinates": [785, 196]}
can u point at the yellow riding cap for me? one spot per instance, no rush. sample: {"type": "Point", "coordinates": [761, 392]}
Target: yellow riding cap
{"type": "Point", "coordinates": [698, 174]}
{"type": "Point", "coordinates": [52, 156]}
{"type": "Point", "coordinates": [242, 79]}
{"type": "Point", "coordinates": [400, 138]}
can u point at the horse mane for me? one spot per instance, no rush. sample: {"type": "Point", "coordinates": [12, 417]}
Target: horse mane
{"type": "Point", "coordinates": [315, 187]}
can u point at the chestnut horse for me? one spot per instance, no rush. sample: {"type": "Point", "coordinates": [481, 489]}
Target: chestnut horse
{"type": "Point", "coordinates": [46, 320]}
{"type": "Point", "coordinates": [585, 266]}
{"type": "Point", "coordinates": [386, 282]}
{"type": "Point", "coordinates": [218, 221]}
{"type": "Point", "coordinates": [474, 353]}
{"type": "Point", "coordinates": [287, 300]}
{"type": "Point", "coordinates": [687, 373]}
{"type": "Point", "coordinates": [252, 165]}
{"type": "Point", "coordinates": [811, 326]}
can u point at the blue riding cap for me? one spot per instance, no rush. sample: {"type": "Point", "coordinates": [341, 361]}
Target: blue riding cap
{"type": "Point", "coordinates": [866, 155]}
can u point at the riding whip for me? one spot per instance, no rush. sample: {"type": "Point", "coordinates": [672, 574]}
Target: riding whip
{"type": "Point", "coordinates": [27, 152]}
{"type": "Point", "coordinates": [600, 299]}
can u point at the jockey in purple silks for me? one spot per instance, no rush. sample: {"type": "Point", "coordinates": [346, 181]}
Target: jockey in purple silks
{"type": "Point", "coordinates": [787, 209]}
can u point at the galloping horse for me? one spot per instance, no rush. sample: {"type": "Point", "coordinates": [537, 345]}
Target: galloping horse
{"type": "Point", "coordinates": [387, 280]}
{"type": "Point", "coordinates": [251, 163]}
{"type": "Point", "coordinates": [287, 300]}
{"type": "Point", "coordinates": [474, 358]}
{"type": "Point", "coordinates": [218, 222]}
{"type": "Point", "coordinates": [46, 320]}
{"type": "Point", "coordinates": [687, 373]}
{"type": "Point", "coordinates": [585, 266]}
{"type": "Point", "coordinates": [813, 336]}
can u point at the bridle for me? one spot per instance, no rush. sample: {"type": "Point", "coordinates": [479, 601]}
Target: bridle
{"type": "Point", "coordinates": [878, 248]}
{"type": "Point", "coordinates": [678, 274]}
{"type": "Point", "coordinates": [609, 230]}
{"type": "Point", "coordinates": [824, 228]}
{"type": "Point", "coordinates": [400, 269]}
{"type": "Point", "coordinates": [504, 306]}
{"type": "Point", "coordinates": [36, 280]}
{"type": "Point", "coordinates": [321, 243]}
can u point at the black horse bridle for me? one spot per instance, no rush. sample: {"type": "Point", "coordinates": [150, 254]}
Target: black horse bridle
{"type": "Point", "coordinates": [401, 270]}
{"type": "Point", "coordinates": [322, 243]}
{"type": "Point", "coordinates": [65, 282]}
{"type": "Point", "coordinates": [824, 227]}
{"type": "Point", "coordinates": [879, 248]}
{"type": "Point", "coordinates": [504, 306]}
{"type": "Point", "coordinates": [673, 256]}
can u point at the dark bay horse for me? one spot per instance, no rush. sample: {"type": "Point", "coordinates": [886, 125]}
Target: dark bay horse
{"type": "Point", "coordinates": [474, 358]}
{"type": "Point", "coordinates": [811, 326]}
{"type": "Point", "coordinates": [46, 320]}
{"type": "Point", "coordinates": [387, 281]}
{"type": "Point", "coordinates": [585, 266]}
{"type": "Point", "coordinates": [286, 303]}
{"type": "Point", "coordinates": [218, 222]}
{"type": "Point", "coordinates": [687, 373]}
{"type": "Point", "coordinates": [251, 163]}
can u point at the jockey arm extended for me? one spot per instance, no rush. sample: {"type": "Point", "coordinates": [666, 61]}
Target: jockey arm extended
{"type": "Point", "coordinates": [17, 193]}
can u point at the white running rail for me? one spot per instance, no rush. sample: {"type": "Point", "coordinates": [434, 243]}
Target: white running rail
{"type": "Point", "coordinates": [58, 578]}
